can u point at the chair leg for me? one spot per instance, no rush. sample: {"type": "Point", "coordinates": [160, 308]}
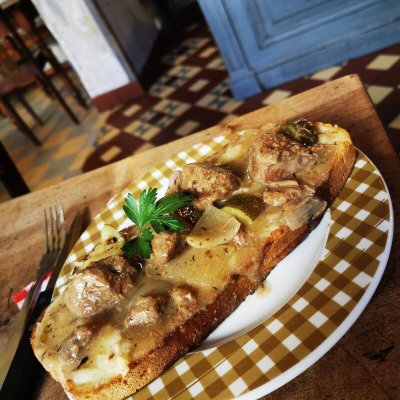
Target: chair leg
{"type": "Point", "coordinates": [49, 55]}
{"type": "Point", "coordinates": [49, 84]}
{"type": "Point", "coordinates": [69, 83]}
{"type": "Point", "coordinates": [28, 107]}
{"type": "Point", "coordinates": [9, 174]}
{"type": "Point", "coordinates": [12, 113]}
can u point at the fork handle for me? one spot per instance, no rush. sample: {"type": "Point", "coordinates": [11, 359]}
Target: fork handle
{"type": "Point", "coordinates": [25, 371]}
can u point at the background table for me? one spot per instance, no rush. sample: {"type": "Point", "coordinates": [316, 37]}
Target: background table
{"type": "Point", "coordinates": [366, 361]}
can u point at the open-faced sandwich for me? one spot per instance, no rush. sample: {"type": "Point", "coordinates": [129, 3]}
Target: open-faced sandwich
{"type": "Point", "coordinates": [146, 295]}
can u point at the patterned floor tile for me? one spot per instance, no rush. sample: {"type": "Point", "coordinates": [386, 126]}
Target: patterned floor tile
{"type": "Point", "coordinates": [144, 147]}
{"type": "Point", "coordinates": [25, 162]}
{"type": "Point", "coordinates": [276, 96]}
{"type": "Point", "coordinates": [325, 74]}
{"type": "Point", "coordinates": [220, 98]}
{"type": "Point", "coordinates": [197, 87]}
{"type": "Point", "coordinates": [107, 134]}
{"type": "Point", "coordinates": [59, 168]}
{"type": "Point", "coordinates": [142, 130]}
{"type": "Point", "coordinates": [184, 71]}
{"type": "Point", "coordinates": [45, 155]}
{"type": "Point", "coordinates": [389, 108]}
{"type": "Point", "coordinates": [199, 118]}
{"type": "Point", "coordinates": [378, 92]}
{"type": "Point", "coordinates": [80, 158]}
{"type": "Point", "coordinates": [118, 118]}
{"type": "Point", "coordinates": [186, 49]}
{"type": "Point", "coordinates": [202, 56]}
{"type": "Point", "coordinates": [188, 127]}
{"type": "Point", "coordinates": [395, 123]}
{"type": "Point", "coordinates": [131, 110]}
{"type": "Point", "coordinates": [217, 63]}
{"type": "Point", "coordinates": [34, 176]}
{"type": "Point", "coordinates": [56, 140]}
{"type": "Point", "coordinates": [383, 62]}
{"type": "Point", "coordinates": [69, 147]}
{"type": "Point", "coordinates": [121, 146]}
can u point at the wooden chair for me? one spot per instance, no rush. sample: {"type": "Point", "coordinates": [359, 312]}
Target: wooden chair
{"type": "Point", "coordinates": [21, 72]}
{"type": "Point", "coordinates": [22, 17]}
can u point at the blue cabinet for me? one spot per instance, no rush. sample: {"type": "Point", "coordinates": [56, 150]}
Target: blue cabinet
{"type": "Point", "coordinates": [267, 42]}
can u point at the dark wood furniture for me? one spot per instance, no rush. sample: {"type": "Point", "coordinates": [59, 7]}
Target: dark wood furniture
{"type": "Point", "coordinates": [22, 16]}
{"type": "Point", "coordinates": [26, 70]}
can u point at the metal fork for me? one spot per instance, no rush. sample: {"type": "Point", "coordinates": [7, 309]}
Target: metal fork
{"type": "Point", "coordinates": [54, 227]}
{"type": "Point", "coordinates": [54, 230]}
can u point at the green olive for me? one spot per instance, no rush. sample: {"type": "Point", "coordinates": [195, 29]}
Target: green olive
{"type": "Point", "coordinates": [244, 207]}
{"type": "Point", "coordinates": [300, 130]}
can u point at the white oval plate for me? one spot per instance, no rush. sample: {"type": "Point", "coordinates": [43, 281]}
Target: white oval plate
{"type": "Point", "coordinates": [279, 287]}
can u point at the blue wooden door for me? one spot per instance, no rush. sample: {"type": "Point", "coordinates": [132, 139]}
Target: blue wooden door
{"type": "Point", "coordinates": [267, 42]}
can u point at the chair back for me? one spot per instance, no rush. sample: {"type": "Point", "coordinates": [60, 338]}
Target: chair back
{"type": "Point", "coordinates": [10, 54]}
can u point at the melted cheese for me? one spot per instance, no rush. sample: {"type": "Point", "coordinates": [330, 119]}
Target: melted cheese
{"type": "Point", "coordinates": [332, 134]}
{"type": "Point", "coordinates": [107, 358]}
{"type": "Point", "coordinates": [198, 267]}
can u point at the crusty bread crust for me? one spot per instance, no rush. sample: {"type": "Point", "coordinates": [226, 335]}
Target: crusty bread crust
{"type": "Point", "coordinates": [145, 369]}
{"type": "Point", "coordinates": [341, 170]}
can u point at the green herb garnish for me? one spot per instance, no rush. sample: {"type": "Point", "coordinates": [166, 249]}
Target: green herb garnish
{"type": "Point", "coordinates": [150, 214]}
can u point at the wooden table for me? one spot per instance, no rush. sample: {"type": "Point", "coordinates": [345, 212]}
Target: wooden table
{"type": "Point", "coordinates": [366, 361]}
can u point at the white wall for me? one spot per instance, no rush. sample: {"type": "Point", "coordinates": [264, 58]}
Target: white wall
{"type": "Point", "coordinates": [87, 44]}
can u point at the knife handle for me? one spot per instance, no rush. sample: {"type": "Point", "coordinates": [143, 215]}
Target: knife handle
{"type": "Point", "coordinates": [25, 370]}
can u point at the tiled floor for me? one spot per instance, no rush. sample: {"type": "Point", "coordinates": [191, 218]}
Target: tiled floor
{"type": "Point", "coordinates": [192, 94]}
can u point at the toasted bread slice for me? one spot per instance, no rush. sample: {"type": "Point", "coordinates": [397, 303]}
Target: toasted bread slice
{"type": "Point", "coordinates": [126, 369]}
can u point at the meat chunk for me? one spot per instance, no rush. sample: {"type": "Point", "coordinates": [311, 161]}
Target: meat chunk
{"type": "Point", "coordinates": [184, 300]}
{"type": "Point", "coordinates": [166, 245]}
{"type": "Point", "coordinates": [100, 286]}
{"type": "Point", "coordinates": [130, 232]}
{"type": "Point", "coordinates": [71, 351]}
{"type": "Point", "coordinates": [281, 192]}
{"type": "Point", "coordinates": [189, 214]}
{"type": "Point", "coordinates": [123, 273]}
{"type": "Point", "coordinates": [273, 157]}
{"type": "Point", "coordinates": [287, 192]}
{"type": "Point", "coordinates": [208, 182]}
{"type": "Point", "coordinates": [116, 264]}
{"type": "Point", "coordinates": [146, 310]}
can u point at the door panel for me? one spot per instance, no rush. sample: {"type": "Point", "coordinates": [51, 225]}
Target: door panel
{"type": "Point", "coordinates": [274, 35]}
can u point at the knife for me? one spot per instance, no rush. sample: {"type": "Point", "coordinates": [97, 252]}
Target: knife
{"type": "Point", "coordinates": [21, 370]}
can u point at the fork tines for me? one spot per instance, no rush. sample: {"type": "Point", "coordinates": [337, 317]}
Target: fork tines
{"type": "Point", "coordinates": [54, 227]}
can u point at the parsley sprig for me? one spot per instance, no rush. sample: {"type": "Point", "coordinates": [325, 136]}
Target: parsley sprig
{"type": "Point", "coordinates": [150, 214]}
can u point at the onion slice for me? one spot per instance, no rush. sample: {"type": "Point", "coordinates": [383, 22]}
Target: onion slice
{"type": "Point", "coordinates": [299, 214]}
{"type": "Point", "coordinates": [213, 228]}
